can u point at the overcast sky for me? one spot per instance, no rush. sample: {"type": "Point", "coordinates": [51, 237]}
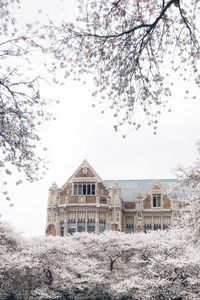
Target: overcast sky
{"type": "Point", "coordinates": [82, 132]}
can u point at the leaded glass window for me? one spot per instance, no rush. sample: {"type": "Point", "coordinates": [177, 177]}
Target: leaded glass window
{"type": "Point", "coordinates": [84, 188]}
{"type": "Point", "coordinates": [156, 200]}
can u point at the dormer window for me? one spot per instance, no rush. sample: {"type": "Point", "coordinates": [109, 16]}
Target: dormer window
{"type": "Point", "coordinates": [84, 188]}
{"type": "Point", "coordinates": [156, 200]}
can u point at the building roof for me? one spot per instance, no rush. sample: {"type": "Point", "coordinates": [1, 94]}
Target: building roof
{"type": "Point", "coordinates": [131, 189]}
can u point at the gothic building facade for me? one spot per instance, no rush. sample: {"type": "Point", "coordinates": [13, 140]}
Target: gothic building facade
{"type": "Point", "coordinates": [88, 203]}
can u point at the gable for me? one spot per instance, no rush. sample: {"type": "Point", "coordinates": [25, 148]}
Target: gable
{"type": "Point", "coordinates": [132, 189]}
{"type": "Point", "coordinates": [156, 192]}
{"type": "Point", "coordinates": [156, 188]}
{"type": "Point", "coordinates": [84, 172]}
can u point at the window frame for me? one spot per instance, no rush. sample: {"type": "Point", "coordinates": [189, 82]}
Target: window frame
{"type": "Point", "coordinates": [157, 200]}
{"type": "Point", "coordinates": [84, 188]}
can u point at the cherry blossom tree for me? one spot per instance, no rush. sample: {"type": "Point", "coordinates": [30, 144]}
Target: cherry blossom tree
{"type": "Point", "coordinates": [189, 185]}
{"type": "Point", "coordinates": [21, 104]}
{"type": "Point", "coordinates": [133, 49]}
{"type": "Point", "coordinates": [160, 265]}
{"type": "Point", "coordinates": [9, 238]}
{"type": "Point", "coordinates": [111, 249]}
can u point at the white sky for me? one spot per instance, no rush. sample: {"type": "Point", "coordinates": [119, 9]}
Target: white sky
{"type": "Point", "coordinates": [81, 131]}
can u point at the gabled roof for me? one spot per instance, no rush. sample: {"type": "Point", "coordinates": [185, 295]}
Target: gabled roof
{"type": "Point", "coordinates": [85, 164]}
{"type": "Point", "coordinates": [131, 189]}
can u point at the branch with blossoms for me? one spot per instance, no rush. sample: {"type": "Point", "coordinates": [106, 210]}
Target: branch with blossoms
{"type": "Point", "coordinates": [128, 46]}
{"type": "Point", "coordinates": [21, 111]}
{"type": "Point", "coordinates": [21, 104]}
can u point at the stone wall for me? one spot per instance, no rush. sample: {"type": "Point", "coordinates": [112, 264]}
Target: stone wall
{"type": "Point", "coordinates": [166, 202]}
{"type": "Point", "coordinates": [147, 202]}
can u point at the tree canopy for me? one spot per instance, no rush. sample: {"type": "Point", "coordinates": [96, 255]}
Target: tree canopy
{"type": "Point", "coordinates": [134, 50]}
{"type": "Point", "coordinates": [157, 265]}
{"type": "Point", "coordinates": [130, 48]}
{"type": "Point", "coordinates": [21, 103]}
{"type": "Point", "coordinates": [189, 185]}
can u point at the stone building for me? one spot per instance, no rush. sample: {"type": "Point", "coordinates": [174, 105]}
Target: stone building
{"type": "Point", "coordinates": [88, 203]}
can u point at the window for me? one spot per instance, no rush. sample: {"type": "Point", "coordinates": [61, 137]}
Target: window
{"type": "Point", "coordinates": [147, 227]}
{"type": "Point", "coordinates": [102, 226]}
{"type": "Point", "coordinates": [62, 229]}
{"type": "Point", "coordinates": [166, 226]}
{"type": "Point", "coordinates": [129, 228]}
{"type": "Point", "coordinates": [71, 226]}
{"type": "Point", "coordinates": [156, 226]}
{"type": "Point", "coordinates": [91, 225]}
{"type": "Point", "coordinates": [129, 224]}
{"type": "Point", "coordinates": [84, 188]}
{"type": "Point", "coordinates": [81, 225]}
{"type": "Point", "coordinates": [156, 200]}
